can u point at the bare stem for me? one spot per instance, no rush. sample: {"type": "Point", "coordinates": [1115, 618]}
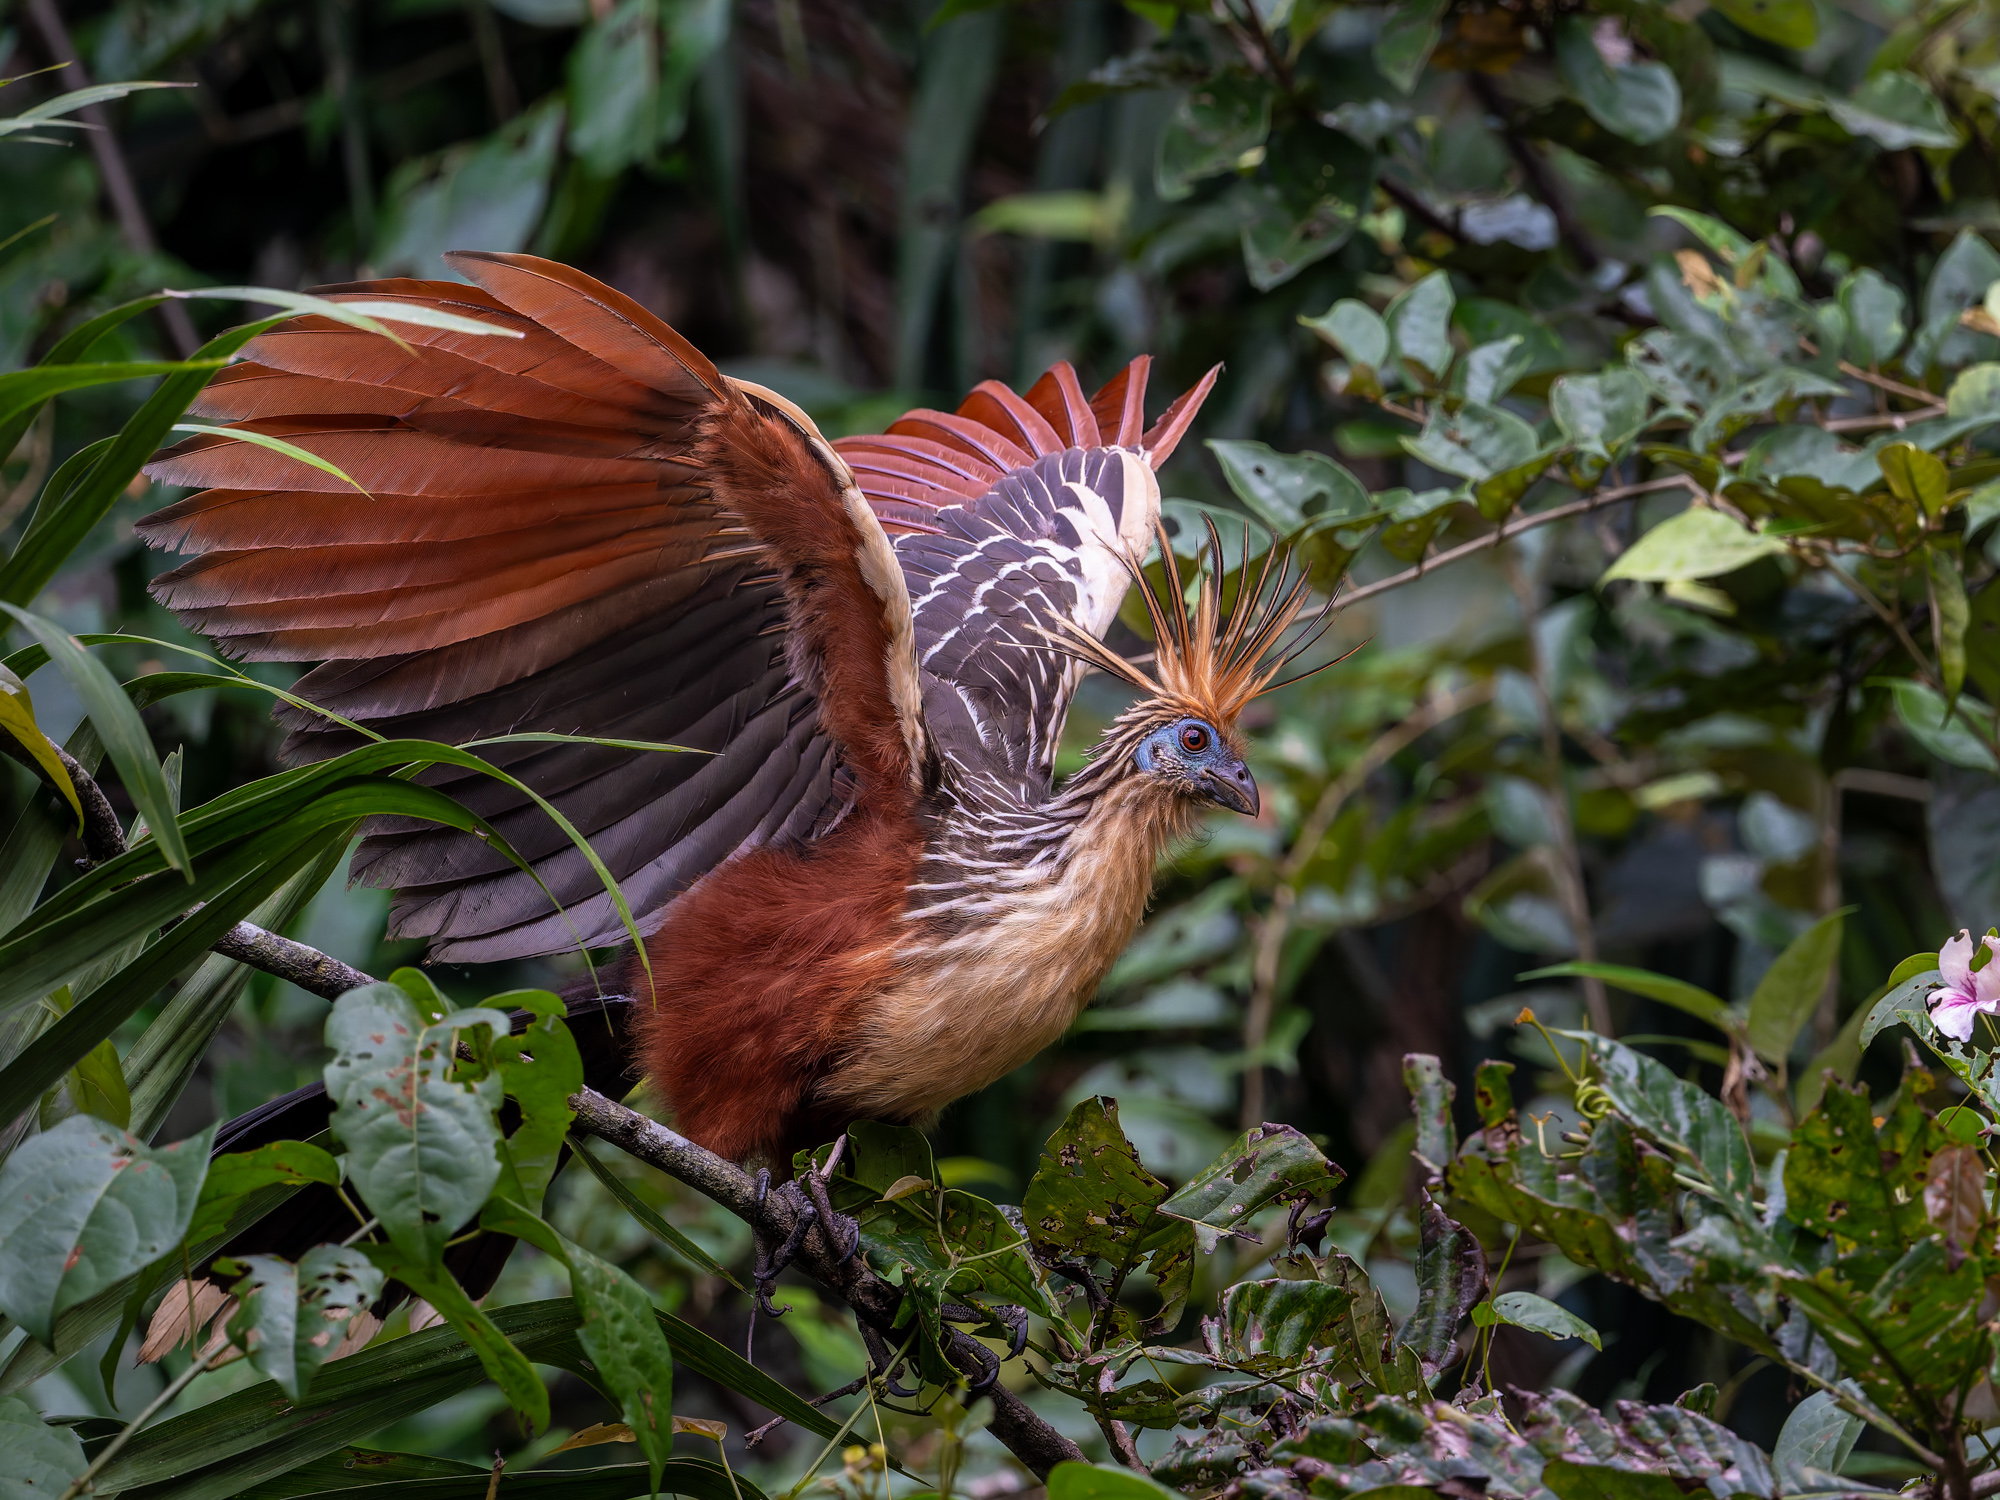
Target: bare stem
{"type": "Point", "coordinates": [1514, 527]}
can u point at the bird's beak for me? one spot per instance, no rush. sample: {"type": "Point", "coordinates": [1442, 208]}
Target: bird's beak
{"type": "Point", "coordinates": [1231, 785]}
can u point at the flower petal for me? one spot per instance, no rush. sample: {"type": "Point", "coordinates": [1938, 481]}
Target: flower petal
{"type": "Point", "coordinates": [1955, 961]}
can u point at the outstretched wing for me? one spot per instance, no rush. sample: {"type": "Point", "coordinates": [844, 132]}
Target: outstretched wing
{"type": "Point", "coordinates": [583, 530]}
{"type": "Point", "coordinates": [1007, 515]}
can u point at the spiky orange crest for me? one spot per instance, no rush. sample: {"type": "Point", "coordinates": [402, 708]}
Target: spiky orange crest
{"type": "Point", "coordinates": [1208, 661]}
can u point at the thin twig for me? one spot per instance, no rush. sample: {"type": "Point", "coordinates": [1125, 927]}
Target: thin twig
{"type": "Point", "coordinates": [130, 1430]}
{"type": "Point", "coordinates": [1514, 528]}
{"type": "Point", "coordinates": [1537, 171]}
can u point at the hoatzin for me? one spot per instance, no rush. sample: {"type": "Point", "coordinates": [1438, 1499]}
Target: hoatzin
{"type": "Point", "coordinates": [868, 897]}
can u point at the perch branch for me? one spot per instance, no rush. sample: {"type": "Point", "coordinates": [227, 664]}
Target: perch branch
{"type": "Point", "coordinates": [874, 1301]}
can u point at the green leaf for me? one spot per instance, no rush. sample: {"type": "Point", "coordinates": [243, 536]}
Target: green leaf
{"type": "Point", "coordinates": [1539, 1315]}
{"type": "Point", "coordinates": [1474, 442]}
{"type": "Point", "coordinates": [1287, 490]}
{"type": "Point", "coordinates": [1419, 323]}
{"type": "Point", "coordinates": [505, 1365]}
{"type": "Point", "coordinates": [77, 499]}
{"type": "Point", "coordinates": [421, 1147]}
{"type": "Point", "coordinates": [539, 1069]}
{"type": "Point", "coordinates": [1896, 110]}
{"type": "Point", "coordinates": [1280, 238]}
{"type": "Point", "coordinates": [1915, 476]}
{"type": "Point", "coordinates": [1211, 130]}
{"type": "Point", "coordinates": [82, 1207]}
{"type": "Point", "coordinates": [1356, 330]}
{"type": "Point", "coordinates": [1790, 989]}
{"type": "Point", "coordinates": [1818, 1435]}
{"type": "Point", "coordinates": [1677, 1115]}
{"type": "Point", "coordinates": [1639, 101]}
{"type": "Point", "coordinates": [219, 1450]}
{"type": "Point", "coordinates": [614, 80]}
{"type": "Point", "coordinates": [1678, 993]}
{"type": "Point", "coordinates": [1904, 1003]}
{"type": "Point", "coordinates": [616, 1328]}
{"type": "Point", "coordinates": [651, 1222]}
{"type": "Point", "coordinates": [234, 1177]}
{"type": "Point", "coordinates": [1951, 614]}
{"type": "Point", "coordinates": [97, 1086]}
{"type": "Point", "coordinates": [1266, 1163]}
{"type": "Point", "coordinates": [42, 1460]}
{"type": "Point", "coordinates": [293, 1317]}
{"type": "Point", "coordinates": [489, 192]}
{"type": "Point", "coordinates": [1845, 1176]}
{"type": "Point", "coordinates": [1451, 1278]}
{"type": "Point", "coordinates": [1975, 393]}
{"type": "Point", "coordinates": [1489, 371]}
{"type": "Point", "coordinates": [1875, 308]}
{"type": "Point", "coordinates": [1942, 729]}
{"type": "Point", "coordinates": [1431, 1096]}
{"type": "Point", "coordinates": [273, 444]}
{"type": "Point", "coordinates": [1574, 1481]}
{"type": "Point", "coordinates": [1696, 543]}
{"type": "Point", "coordinates": [1789, 23]}
{"type": "Point", "coordinates": [1091, 1199]}
{"type": "Point", "coordinates": [366, 313]}
{"type": "Point", "coordinates": [1075, 1481]}
{"type": "Point", "coordinates": [1404, 44]}
{"type": "Point", "coordinates": [1599, 413]}
{"type": "Point", "coordinates": [1284, 1321]}
{"type": "Point", "coordinates": [24, 391]}
{"type": "Point", "coordinates": [119, 726]}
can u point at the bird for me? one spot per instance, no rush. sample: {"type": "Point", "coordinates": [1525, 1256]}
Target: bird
{"type": "Point", "coordinates": [861, 892]}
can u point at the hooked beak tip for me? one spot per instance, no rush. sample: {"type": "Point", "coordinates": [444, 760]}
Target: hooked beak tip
{"type": "Point", "coordinates": [1233, 787]}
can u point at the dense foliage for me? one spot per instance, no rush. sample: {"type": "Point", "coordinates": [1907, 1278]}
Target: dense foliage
{"type": "Point", "coordinates": [1638, 367]}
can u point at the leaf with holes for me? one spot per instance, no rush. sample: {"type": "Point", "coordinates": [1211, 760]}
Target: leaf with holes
{"type": "Point", "coordinates": [1451, 1277]}
{"type": "Point", "coordinates": [1266, 1164]}
{"type": "Point", "coordinates": [292, 1318]}
{"type": "Point", "coordinates": [421, 1145]}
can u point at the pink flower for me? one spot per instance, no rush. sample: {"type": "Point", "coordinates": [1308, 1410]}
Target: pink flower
{"type": "Point", "coordinates": [1965, 994]}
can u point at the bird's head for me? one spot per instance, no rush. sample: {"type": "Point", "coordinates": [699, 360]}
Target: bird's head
{"type": "Point", "coordinates": [1193, 758]}
{"type": "Point", "coordinates": [1181, 736]}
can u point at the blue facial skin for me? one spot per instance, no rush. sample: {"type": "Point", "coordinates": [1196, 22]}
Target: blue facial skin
{"type": "Point", "coordinates": [1199, 761]}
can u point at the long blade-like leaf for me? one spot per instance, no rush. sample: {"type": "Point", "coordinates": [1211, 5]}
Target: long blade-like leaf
{"type": "Point", "coordinates": [58, 529]}
{"type": "Point", "coordinates": [276, 445]}
{"type": "Point", "coordinates": [124, 733]}
{"type": "Point", "coordinates": [26, 390]}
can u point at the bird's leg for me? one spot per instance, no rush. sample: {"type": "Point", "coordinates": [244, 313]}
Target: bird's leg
{"type": "Point", "coordinates": [843, 1235]}
{"type": "Point", "coordinates": [881, 1364]}
{"type": "Point", "coordinates": [771, 1260]}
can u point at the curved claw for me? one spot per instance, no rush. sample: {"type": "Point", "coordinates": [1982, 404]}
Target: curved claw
{"type": "Point", "coordinates": [986, 1381]}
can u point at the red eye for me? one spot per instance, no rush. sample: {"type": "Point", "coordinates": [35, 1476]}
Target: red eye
{"type": "Point", "coordinates": [1194, 738]}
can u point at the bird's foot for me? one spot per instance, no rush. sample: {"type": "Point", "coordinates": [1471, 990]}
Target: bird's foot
{"type": "Point", "coordinates": [881, 1364]}
{"type": "Point", "coordinates": [843, 1235]}
{"type": "Point", "coordinates": [1008, 1316]}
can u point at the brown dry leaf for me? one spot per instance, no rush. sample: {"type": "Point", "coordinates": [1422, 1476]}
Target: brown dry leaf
{"type": "Point", "coordinates": [1979, 320]}
{"type": "Point", "coordinates": [1697, 275]}
{"type": "Point", "coordinates": [1954, 1193]}
{"type": "Point", "coordinates": [600, 1432]}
